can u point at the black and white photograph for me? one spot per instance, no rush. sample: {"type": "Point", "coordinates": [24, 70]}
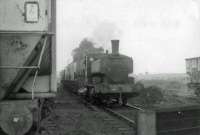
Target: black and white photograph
{"type": "Point", "coordinates": [99, 67]}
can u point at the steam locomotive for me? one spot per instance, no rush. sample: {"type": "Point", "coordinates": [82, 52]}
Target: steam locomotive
{"type": "Point", "coordinates": [103, 77]}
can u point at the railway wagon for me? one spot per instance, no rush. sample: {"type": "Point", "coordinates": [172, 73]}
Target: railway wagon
{"type": "Point", "coordinates": [193, 70]}
{"type": "Point", "coordinates": [104, 77]}
{"type": "Point", "coordinates": [27, 62]}
{"type": "Point", "coordinates": [172, 119]}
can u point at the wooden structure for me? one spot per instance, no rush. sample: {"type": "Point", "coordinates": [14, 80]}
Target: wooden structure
{"type": "Point", "coordinates": [169, 120]}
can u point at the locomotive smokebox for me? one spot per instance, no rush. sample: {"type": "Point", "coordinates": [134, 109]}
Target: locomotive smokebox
{"type": "Point", "coordinates": [115, 46]}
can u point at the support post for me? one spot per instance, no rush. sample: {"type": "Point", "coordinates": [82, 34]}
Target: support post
{"type": "Point", "coordinates": [146, 123]}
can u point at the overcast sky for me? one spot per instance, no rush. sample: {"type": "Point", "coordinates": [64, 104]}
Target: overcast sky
{"type": "Point", "coordinates": [157, 34]}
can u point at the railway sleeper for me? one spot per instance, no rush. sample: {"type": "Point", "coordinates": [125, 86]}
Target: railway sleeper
{"type": "Point", "coordinates": [108, 119]}
{"type": "Point", "coordinates": [124, 129]}
{"type": "Point", "coordinates": [129, 133]}
{"type": "Point", "coordinates": [117, 124]}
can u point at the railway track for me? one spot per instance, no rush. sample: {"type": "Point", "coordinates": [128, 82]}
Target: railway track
{"type": "Point", "coordinates": [119, 121]}
{"type": "Point", "coordinates": [121, 116]}
{"type": "Point", "coordinates": [123, 124]}
{"type": "Point", "coordinates": [112, 118]}
{"type": "Point", "coordinates": [72, 112]}
{"type": "Point", "coordinates": [134, 107]}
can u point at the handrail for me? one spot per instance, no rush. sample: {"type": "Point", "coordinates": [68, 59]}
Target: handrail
{"type": "Point", "coordinates": [39, 63]}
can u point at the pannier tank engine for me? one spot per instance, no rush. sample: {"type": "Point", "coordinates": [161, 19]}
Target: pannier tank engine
{"type": "Point", "coordinates": [107, 76]}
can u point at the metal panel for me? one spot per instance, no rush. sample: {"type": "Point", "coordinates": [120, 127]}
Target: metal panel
{"type": "Point", "coordinates": [13, 16]}
{"type": "Point", "coordinates": [41, 84]}
{"type": "Point", "coordinates": [14, 51]}
{"type": "Point", "coordinates": [19, 38]}
{"type": "Point", "coordinates": [169, 120]}
{"type": "Point", "coordinates": [96, 66]}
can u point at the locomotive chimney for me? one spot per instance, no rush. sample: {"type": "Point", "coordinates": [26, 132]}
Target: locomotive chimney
{"type": "Point", "coordinates": [115, 46]}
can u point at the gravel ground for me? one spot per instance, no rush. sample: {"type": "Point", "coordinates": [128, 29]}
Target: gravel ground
{"type": "Point", "coordinates": [71, 117]}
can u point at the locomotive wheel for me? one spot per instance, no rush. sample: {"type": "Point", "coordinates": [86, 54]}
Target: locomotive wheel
{"type": "Point", "coordinates": [90, 95]}
{"type": "Point", "coordinates": [124, 101]}
{"type": "Point", "coordinates": [197, 92]}
{"type": "Point", "coordinates": [16, 120]}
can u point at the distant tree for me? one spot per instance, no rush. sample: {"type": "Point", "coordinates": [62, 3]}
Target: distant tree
{"type": "Point", "coordinates": [85, 47]}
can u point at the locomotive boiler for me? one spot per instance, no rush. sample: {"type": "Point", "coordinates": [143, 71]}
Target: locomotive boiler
{"type": "Point", "coordinates": [27, 62]}
{"type": "Point", "coordinates": [104, 77]}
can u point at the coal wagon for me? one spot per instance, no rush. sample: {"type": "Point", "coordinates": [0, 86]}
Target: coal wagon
{"type": "Point", "coordinates": [27, 62]}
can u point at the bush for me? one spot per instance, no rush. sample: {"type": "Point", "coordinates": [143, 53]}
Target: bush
{"type": "Point", "coordinates": [150, 95]}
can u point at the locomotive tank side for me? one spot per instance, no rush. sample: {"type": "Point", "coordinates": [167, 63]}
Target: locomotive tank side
{"type": "Point", "coordinates": [27, 62]}
{"type": "Point", "coordinates": [116, 68]}
{"type": "Point", "coordinates": [110, 75]}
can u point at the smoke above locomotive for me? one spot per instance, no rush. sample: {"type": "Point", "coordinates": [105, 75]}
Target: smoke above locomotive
{"type": "Point", "coordinates": [103, 76]}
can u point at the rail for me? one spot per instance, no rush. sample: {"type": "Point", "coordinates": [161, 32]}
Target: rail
{"type": "Point", "coordinates": [120, 116]}
{"type": "Point", "coordinates": [114, 113]}
{"type": "Point", "coordinates": [131, 125]}
{"type": "Point", "coordinates": [134, 107]}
